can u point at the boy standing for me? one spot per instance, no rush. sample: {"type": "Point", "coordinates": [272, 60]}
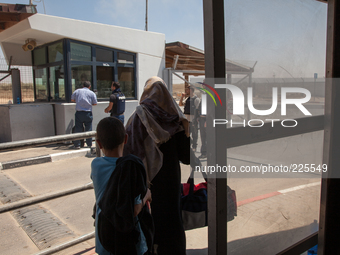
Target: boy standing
{"type": "Point", "coordinates": [121, 193]}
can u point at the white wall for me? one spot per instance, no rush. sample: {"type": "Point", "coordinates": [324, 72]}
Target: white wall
{"type": "Point", "coordinates": [27, 121]}
{"type": "Point", "coordinates": [148, 66]}
{"type": "Point", "coordinates": [31, 121]}
{"type": "Point", "coordinates": [64, 113]}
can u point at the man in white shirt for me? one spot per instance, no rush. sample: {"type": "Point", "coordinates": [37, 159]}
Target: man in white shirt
{"type": "Point", "coordinates": [84, 99]}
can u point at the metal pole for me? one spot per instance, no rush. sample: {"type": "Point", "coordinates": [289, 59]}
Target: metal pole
{"type": "Point", "coordinates": [98, 151]}
{"type": "Point", "coordinates": [19, 145]}
{"type": "Point", "coordinates": [329, 224]}
{"type": "Point", "coordinates": [44, 197]}
{"type": "Point", "coordinates": [215, 67]}
{"type": "Point", "coordinates": [67, 244]}
{"type": "Point", "coordinates": [146, 16]}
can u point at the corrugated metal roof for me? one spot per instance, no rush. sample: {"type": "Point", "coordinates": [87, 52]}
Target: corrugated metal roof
{"type": "Point", "coordinates": [11, 14]}
{"type": "Point", "coordinates": [181, 56]}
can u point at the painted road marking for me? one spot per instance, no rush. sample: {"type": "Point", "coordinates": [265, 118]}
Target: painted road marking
{"type": "Point", "coordinates": [275, 193]}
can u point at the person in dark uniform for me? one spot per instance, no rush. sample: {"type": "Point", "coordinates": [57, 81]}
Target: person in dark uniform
{"type": "Point", "coordinates": [117, 102]}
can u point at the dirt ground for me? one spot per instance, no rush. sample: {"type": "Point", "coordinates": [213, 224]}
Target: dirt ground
{"type": "Point", "coordinates": [177, 90]}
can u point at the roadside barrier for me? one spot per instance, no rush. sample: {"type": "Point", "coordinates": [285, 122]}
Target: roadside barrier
{"type": "Point", "coordinates": [24, 144]}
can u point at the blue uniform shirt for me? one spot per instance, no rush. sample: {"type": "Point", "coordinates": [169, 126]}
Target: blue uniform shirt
{"type": "Point", "coordinates": [84, 98]}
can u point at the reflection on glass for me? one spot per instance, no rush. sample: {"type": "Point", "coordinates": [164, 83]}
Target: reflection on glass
{"type": "Point", "coordinates": [41, 84]}
{"type": "Point", "coordinates": [79, 75]}
{"type": "Point", "coordinates": [104, 55]}
{"type": "Point", "coordinates": [55, 52]}
{"type": "Point", "coordinates": [80, 52]}
{"type": "Point", "coordinates": [39, 56]}
{"type": "Point", "coordinates": [127, 81]}
{"type": "Point", "coordinates": [104, 81]}
{"type": "Point", "coordinates": [57, 84]}
{"type": "Point", "coordinates": [125, 58]}
{"type": "Point", "coordinates": [275, 54]}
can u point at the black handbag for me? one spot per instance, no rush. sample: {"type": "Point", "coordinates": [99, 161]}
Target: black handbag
{"type": "Point", "coordinates": [194, 203]}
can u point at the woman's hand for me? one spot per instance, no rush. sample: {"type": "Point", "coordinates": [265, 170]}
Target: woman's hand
{"type": "Point", "coordinates": [147, 197]}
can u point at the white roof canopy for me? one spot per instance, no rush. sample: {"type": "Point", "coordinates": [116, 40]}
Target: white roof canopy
{"type": "Point", "coordinates": [45, 28]}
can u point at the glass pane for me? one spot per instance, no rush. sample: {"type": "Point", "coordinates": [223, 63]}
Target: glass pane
{"type": "Point", "coordinates": [126, 79]}
{"type": "Point", "coordinates": [57, 83]}
{"type": "Point", "coordinates": [104, 55]}
{"type": "Point", "coordinates": [104, 81]}
{"type": "Point", "coordinates": [80, 52]}
{"type": "Point", "coordinates": [55, 52]}
{"type": "Point", "coordinates": [275, 59]}
{"type": "Point", "coordinates": [41, 84]}
{"type": "Point", "coordinates": [278, 195]}
{"type": "Point", "coordinates": [39, 56]}
{"type": "Point", "coordinates": [79, 75]}
{"type": "Point", "coordinates": [125, 58]}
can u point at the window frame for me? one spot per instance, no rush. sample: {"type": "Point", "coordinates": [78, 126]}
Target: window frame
{"type": "Point", "coordinates": [67, 62]}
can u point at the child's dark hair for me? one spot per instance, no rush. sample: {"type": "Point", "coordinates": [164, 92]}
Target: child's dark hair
{"type": "Point", "coordinates": [110, 132]}
{"type": "Point", "coordinates": [116, 84]}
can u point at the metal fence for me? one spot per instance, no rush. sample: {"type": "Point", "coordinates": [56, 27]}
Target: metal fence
{"type": "Point", "coordinates": [26, 77]}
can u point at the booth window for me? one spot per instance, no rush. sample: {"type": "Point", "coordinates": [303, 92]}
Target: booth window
{"type": "Point", "coordinates": [57, 84]}
{"type": "Point", "coordinates": [62, 66]}
{"type": "Point", "coordinates": [126, 79]}
{"type": "Point", "coordinates": [39, 56]}
{"type": "Point", "coordinates": [103, 55]}
{"type": "Point", "coordinates": [80, 74]}
{"type": "Point", "coordinates": [55, 52]}
{"type": "Point", "coordinates": [80, 52]}
{"type": "Point", "coordinates": [40, 77]}
{"type": "Point", "coordinates": [124, 58]}
{"type": "Point", "coordinates": [104, 80]}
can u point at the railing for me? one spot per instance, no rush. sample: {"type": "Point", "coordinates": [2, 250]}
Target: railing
{"type": "Point", "coordinates": [29, 143]}
{"type": "Point", "coordinates": [19, 145]}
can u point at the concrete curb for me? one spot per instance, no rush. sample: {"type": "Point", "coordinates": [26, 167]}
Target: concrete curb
{"type": "Point", "coordinates": [70, 154]}
{"type": "Point", "coordinates": [44, 159]}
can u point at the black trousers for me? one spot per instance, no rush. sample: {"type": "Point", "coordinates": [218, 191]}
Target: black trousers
{"type": "Point", "coordinates": [193, 125]}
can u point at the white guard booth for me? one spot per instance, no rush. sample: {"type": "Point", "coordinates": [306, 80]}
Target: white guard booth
{"type": "Point", "coordinates": [64, 53]}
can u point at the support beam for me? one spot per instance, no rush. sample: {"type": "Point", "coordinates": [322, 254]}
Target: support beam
{"type": "Point", "coordinates": [186, 77]}
{"type": "Point", "coordinates": [329, 226]}
{"type": "Point", "coordinates": [16, 86]}
{"type": "Point", "coordinates": [175, 61]}
{"type": "Point", "coordinates": [214, 48]}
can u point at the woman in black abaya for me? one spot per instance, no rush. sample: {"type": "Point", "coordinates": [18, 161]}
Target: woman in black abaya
{"type": "Point", "coordinates": [159, 135]}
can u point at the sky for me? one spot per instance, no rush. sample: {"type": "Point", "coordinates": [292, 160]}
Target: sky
{"type": "Point", "coordinates": [285, 38]}
{"type": "Point", "coordinates": [178, 20]}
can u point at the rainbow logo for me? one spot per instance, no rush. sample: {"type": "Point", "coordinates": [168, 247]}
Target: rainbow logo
{"type": "Point", "coordinates": [209, 93]}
